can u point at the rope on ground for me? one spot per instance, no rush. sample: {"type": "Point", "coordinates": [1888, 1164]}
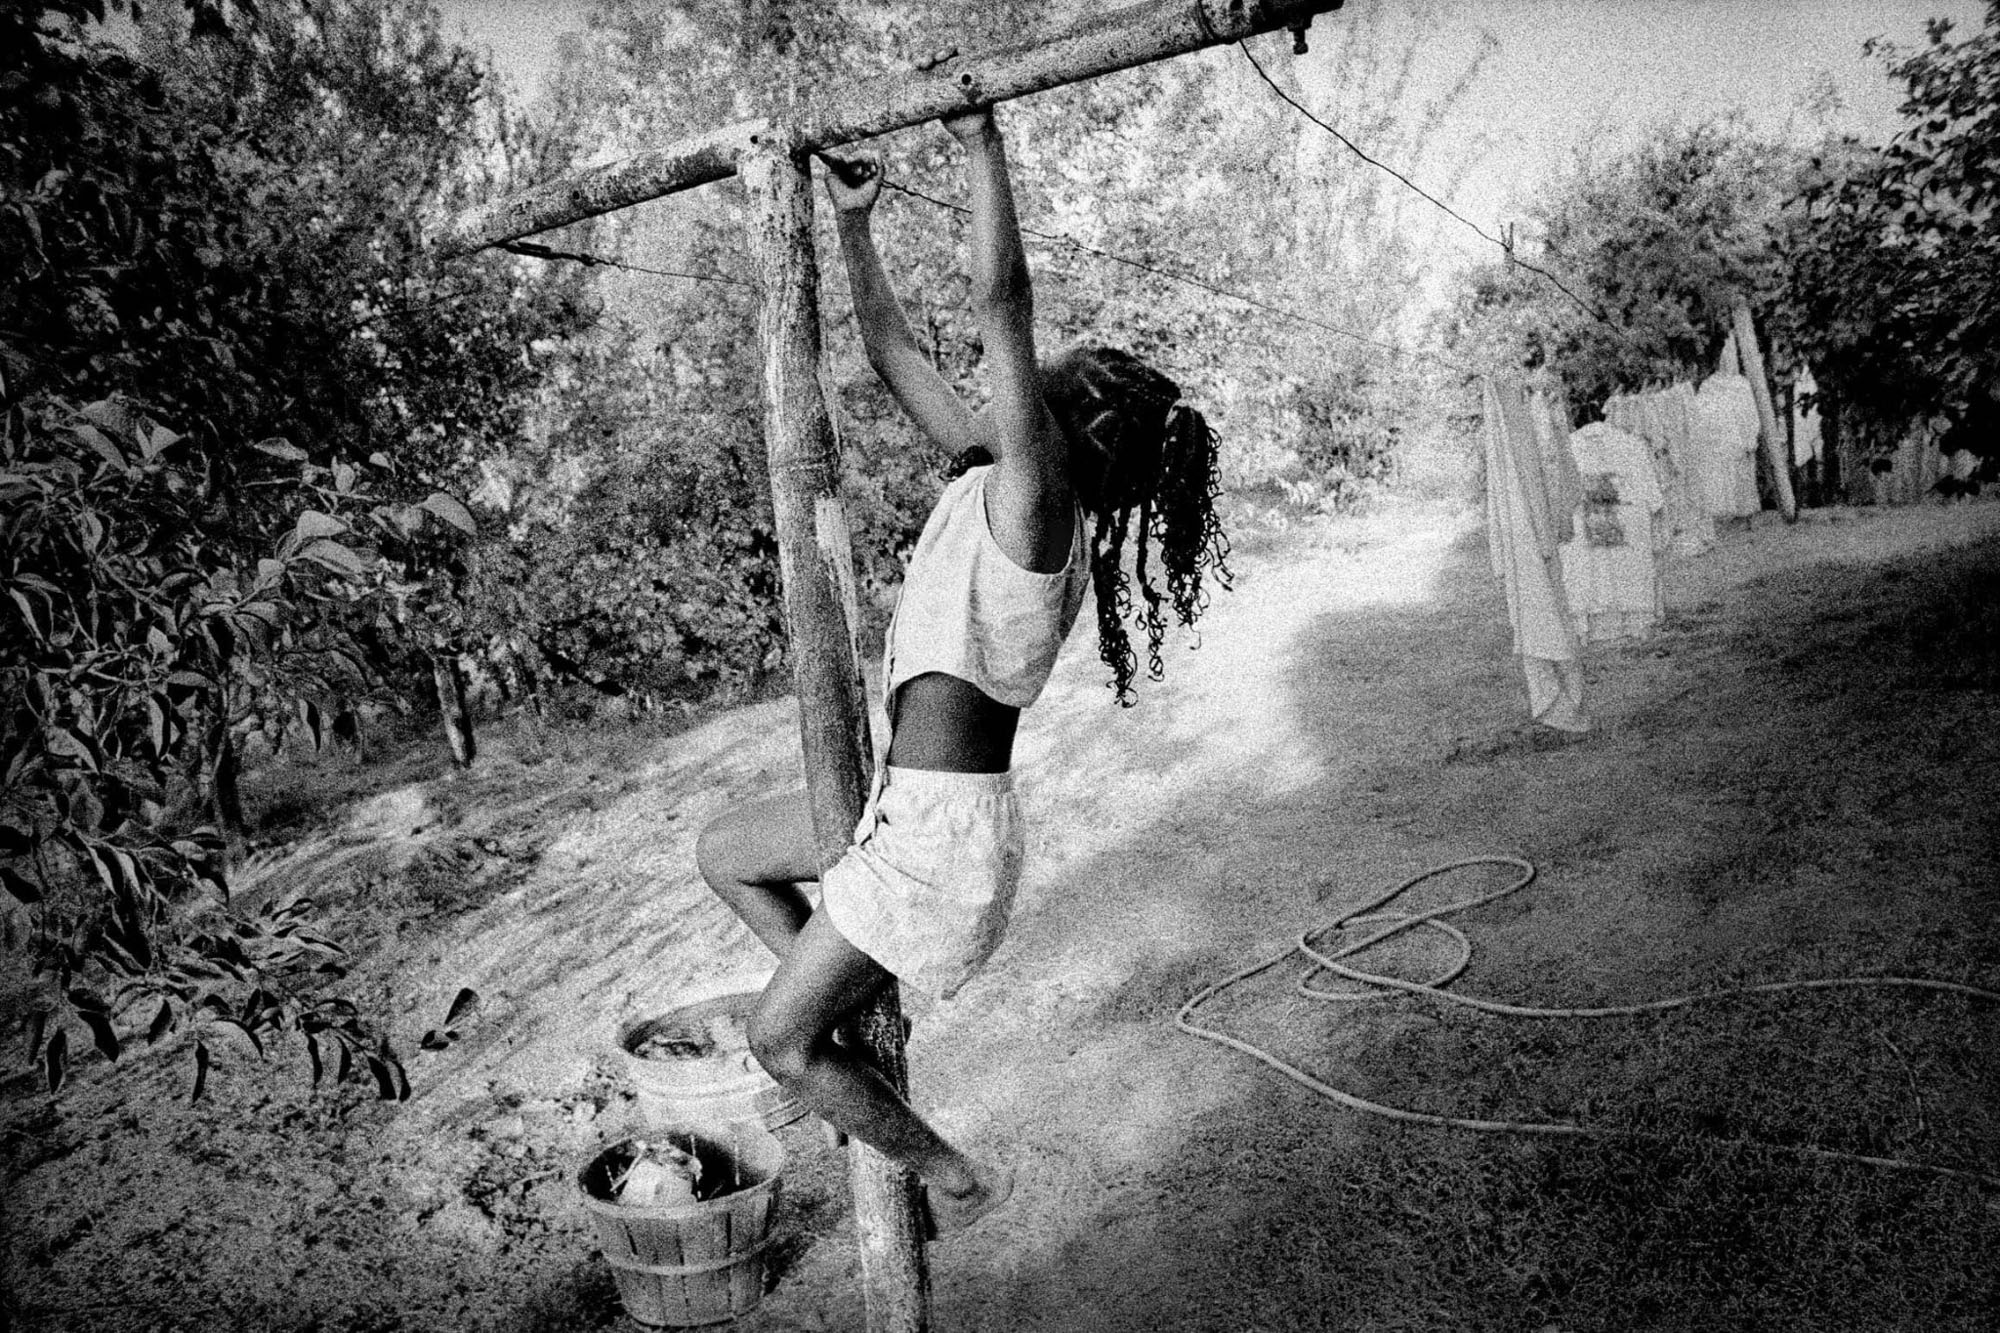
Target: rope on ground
{"type": "Point", "coordinates": [1310, 948]}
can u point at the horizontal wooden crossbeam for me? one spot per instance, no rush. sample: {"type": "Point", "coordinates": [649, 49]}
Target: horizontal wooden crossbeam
{"type": "Point", "coordinates": [827, 118]}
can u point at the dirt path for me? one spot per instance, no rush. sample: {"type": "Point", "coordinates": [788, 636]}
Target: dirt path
{"type": "Point", "coordinates": [1792, 778]}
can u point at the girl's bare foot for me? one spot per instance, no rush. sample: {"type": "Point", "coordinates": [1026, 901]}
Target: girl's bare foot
{"type": "Point", "coordinates": [952, 1213]}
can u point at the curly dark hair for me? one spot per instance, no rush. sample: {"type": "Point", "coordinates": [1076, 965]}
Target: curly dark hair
{"type": "Point", "coordinates": [1143, 465]}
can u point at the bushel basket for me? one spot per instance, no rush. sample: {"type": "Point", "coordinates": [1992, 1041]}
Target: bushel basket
{"type": "Point", "coordinates": [698, 1263]}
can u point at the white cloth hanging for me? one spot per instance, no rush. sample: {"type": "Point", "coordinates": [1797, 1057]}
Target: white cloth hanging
{"type": "Point", "coordinates": [1522, 529]}
{"type": "Point", "coordinates": [1550, 420]}
{"type": "Point", "coordinates": [1806, 438]}
{"type": "Point", "coordinates": [1609, 569]}
{"type": "Point", "coordinates": [1725, 431]}
{"type": "Point", "coordinates": [1665, 420]}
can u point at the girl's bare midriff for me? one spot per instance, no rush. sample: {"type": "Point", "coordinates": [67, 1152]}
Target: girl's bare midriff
{"type": "Point", "coordinates": [950, 725]}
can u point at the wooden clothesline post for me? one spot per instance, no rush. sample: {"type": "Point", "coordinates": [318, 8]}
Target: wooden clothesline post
{"type": "Point", "coordinates": [816, 567]}
{"type": "Point", "coordinates": [816, 560]}
{"type": "Point", "coordinates": [1775, 452]}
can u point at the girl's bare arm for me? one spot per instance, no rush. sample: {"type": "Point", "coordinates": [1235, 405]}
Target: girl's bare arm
{"type": "Point", "coordinates": [885, 334]}
{"type": "Point", "coordinates": [1028, 499]}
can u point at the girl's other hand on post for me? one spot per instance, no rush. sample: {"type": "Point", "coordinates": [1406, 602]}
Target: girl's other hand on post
{"type": "Point", "coordinates": [966, 126]}
{"type": "Point", "coordinates": [971, 125]}
{"type": "Point", "coordinates": [853, 183]}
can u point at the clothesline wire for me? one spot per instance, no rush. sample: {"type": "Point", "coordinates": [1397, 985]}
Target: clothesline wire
{"type": "Point", "coordinates": [538, 251]}
{"type": "Point", "coordinates": [1506, 247]}
{"type": "Point", "coordinates": [1190, 280]}
{"type": "Point", "coordinates": [534, 251]}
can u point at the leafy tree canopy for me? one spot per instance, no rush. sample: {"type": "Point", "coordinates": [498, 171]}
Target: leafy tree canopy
{"type": "Point", "coordinates": [236, 389]}
{"type": "Point", "coordinates": [1895, 249]}
{"type": "Point", "coordinates": [1655, 247]}
{"type": "Point", "coordinates": [1877, 265]}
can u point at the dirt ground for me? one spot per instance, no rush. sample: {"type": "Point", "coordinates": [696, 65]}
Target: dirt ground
{"type": "Point", "coordinates": [1792, 778]}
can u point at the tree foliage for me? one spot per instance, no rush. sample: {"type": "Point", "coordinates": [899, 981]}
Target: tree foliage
{"type": "Point", "coordinates": [237, 391]}
{"type": "Point", "coordinates": [637, 553]}
{"type": "Point", "coordinates": [1877, 265]}
{"type": "Point", "coordinates": [1655, 246]}
{"type": "Point", "coordinates": [1895, 249]}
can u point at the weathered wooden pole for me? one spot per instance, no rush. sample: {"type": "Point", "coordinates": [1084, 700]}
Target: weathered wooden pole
{"type": "Point", "coordinates": [1775, 452]}
{"type": "Point", "coordinates": [1096, 44]}
{"type": "Point", "coordinates": [816, 561]}
{"type": "Point", "coordinates": [450, 683]}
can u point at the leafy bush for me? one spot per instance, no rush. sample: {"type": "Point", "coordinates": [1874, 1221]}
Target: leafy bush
{"type": "Point", "coordinates": [1655, 245]}
{"type": "Point", "coordinates": [235, 389]}
{"type": "Point", "coordinates": [130, 630]}
{"type": "Point", "coordinates": [1895, 249]}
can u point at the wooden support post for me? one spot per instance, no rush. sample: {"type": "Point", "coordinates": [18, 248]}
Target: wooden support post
{"type": "Point", "coordinates": [1775, 452]}
{"type": "Point", "coordinates": [1098, 43]}
{"type": "Point", "coordinates": [816, 561]}
{"type": "Point", "coordinates": [457, 719]}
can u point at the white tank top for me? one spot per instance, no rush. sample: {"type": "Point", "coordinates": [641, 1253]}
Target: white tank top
{"type": "Point", "coordinates": [969, 611]}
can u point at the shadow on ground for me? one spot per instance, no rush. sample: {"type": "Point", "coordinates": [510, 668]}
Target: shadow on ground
{"type": "Point", "coordinates": [1791, 779]}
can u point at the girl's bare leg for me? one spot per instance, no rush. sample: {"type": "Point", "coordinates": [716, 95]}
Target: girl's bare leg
{"type": "Point", "coordinates": [754, 857]}
{"type": "Point", "coordinates": [821, 982]}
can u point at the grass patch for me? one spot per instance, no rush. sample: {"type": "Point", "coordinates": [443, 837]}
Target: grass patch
{"type": "Point", "coordinates": [1674, 1234]}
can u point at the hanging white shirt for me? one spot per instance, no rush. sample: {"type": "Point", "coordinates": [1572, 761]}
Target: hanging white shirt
{"type": "Point", "coordinates": [1610, 569]}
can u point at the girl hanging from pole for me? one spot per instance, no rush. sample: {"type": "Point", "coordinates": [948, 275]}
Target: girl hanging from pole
{"type": "Point", "coordinates": [1073, 460]}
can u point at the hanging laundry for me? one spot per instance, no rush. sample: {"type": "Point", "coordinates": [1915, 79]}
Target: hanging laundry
{"type": "Point", "coordinates": [1665, 420]}
{"type": "Point", "coordinates": [1550, 419]}
{"type": "Point", "coordinates": [1725, 445]}
{"type": "Point", "coordinates": [1915, 467]}
{"type": "Point", "coordinates": [1523, 528]}
{"type": "Point", "coordinates": [1807, 444]}
{"type": "Point", "coordinates": [1610, 570]}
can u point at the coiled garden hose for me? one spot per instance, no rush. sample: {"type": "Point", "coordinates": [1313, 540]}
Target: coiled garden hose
{"type": "Point", "coordinates": [1395, 923]}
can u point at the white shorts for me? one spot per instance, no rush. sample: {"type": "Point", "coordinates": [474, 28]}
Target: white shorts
{"type": "Point", "coordinates": [929, 883]}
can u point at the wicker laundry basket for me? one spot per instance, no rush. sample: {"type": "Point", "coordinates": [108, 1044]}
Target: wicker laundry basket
{"type": "Point", "coordinates": [699, 1263]}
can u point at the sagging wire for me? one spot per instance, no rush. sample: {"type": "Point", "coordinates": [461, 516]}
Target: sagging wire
{"type": "Point", "coordinates": [1506, 244]}
{"type": "Point", "coordinates": [1188, 279]}
{"type": "Point", "coordinates": [534, 251]}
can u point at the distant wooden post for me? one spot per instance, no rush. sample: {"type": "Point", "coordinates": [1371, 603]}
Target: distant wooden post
{"type": "Point", "coordinates": [450, 683]}
{"type": "Point", "coordinates": [1767, 417]}
{"type": "Point", "coordinates": [816, 560]}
